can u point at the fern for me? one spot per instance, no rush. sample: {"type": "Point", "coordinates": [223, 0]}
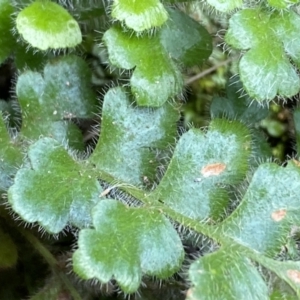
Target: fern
{"type": "Point", "coordinates": [136, 199]}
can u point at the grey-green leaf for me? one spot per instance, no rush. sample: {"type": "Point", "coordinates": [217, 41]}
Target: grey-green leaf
{"type": "Point", "coordinates": [156, 77]}
{"type": "Point", "coordinates": [271, 38]}
{"type": "Point", "coordinates": [201, 167]}
{"type": "Point", "coordinates": [268, 210]}
{"type": "Point", "coordinates": [127, 243]}
{"type": "Point", "coordinates": [130, 136]}
{"type": "Point", "coordinates": [56, 190]}
{"type": "Point", "coordinates": [11, 157]}
{"type": "Point", "coordinates": [226, 274]}
{"type": "Point", "coordinates": [48, 101]}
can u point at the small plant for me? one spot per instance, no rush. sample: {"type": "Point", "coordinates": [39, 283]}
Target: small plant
{"type": "Point", "coordinates": [146, 209]}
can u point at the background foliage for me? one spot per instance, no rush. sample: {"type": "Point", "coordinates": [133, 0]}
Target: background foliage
{"type": "Point", "coordinates": [149, 149]}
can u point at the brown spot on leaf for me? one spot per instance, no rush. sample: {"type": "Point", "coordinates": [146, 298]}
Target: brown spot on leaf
{"type": "Point", "coordinates": [294, 275]}
{"type": "Point", "coordinates": [278, 215]}
{"type": "Point", "coordinates": [213, 169]}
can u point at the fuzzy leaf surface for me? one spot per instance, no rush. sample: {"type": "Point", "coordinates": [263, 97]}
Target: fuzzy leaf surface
{"type": "Point", "coordinates": [8, 251]}
{"type": "Point", "coordinates": [55, 190]}
{"type": "Point", "coordinates": [225, 6]}
{"type": "Point", "coordinates": [201, 167]}
{"type": "Point", "coordinates": [271, 39]}
{"type": "Point", "coordinates": [127, 243]}
{"type": "Point", "coordinates": [61, 93]}
{"type": "Point", "coordinates": [156, 77]}
{"type": "Point", "coordinates": [255, 231]}
{"type": "Point", "coordinates": [46, 25]}
{"type": "Point", "coordinates": [139, 15]}
{"type": "Point", "coordinates": [282, 4]}
{"type": "Point", "coordinates": [130, 135]}
{"type": "Point", "coordinates": [7, 41]}
{"type": "Point", "coordinates": [270, 206]}
{"type": "Point", "coordinates": [226, 275]}
{"type": "Point", "coordinates": [237, 106]}
{"type": "Point", "coordinates": [10, 157]}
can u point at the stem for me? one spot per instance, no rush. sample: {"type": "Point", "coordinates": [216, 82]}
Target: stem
{"type": "Point", "coordinates": [208, 71]}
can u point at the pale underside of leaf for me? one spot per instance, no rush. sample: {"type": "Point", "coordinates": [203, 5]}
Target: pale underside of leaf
{"type": "Point", "coordinates": [46, 25]}
{"type": "Point", "coordinates": [140, 15]}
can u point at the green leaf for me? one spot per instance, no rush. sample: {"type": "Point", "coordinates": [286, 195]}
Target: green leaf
{"type": "Point", "coordinates": [8, 251]}
{"type": "Point", "coordinates": [226, 275]}
{"type": "Point", "coordinates": [10, 157]}
{"type": "Point", "coordinates": [265, 69]}
{"type": "Point", "coordinates": [201, 167]}
{"type": "Point", "coordinates": [268, 210]}
{"type": "Point", "coordinates": [139, 15]}
{"type": "Point", "coordinates": [62, 93]}
{"type": "Point", "coordinates": [130, 137]}
{"type": "Point", "coordinates": [28, 58]}
{"type": "Point", "coordinates": [156, 78]}
{"type": "Point", "coordinates": [144, 242]}
{"type": "Point", "coordinates": [55, 190]}
{"type": "Point", "coordinates": [46, 25]}
{"type": "Point", "coordinates": [185, 40]}
{"type": "Point", "coordinates": [225, 5]}
{"type": "Point", "coordinates": [282, 4]}
{"type": "Point", "coordinates": [7, 41]}
{"type": "Point", "coordinates": [237, 106]}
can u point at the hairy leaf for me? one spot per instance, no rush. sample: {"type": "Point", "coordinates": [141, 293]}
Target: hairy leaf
{"type": "Point", "coordinates": [63, 92]}
{"type": "Point", "coordinates": [55, 190]}
{"type": "Point", "coordinates": [202, 165]}
{"type": "Point", "coordinates": [127, 243]}
{"type": "Point", "coordinates": [139, 15]}
{"type": "Point", "coordinates": [226, 274]}
{"type": "Point", "coordinates": [8, 251]}
{"type": "Point", "coordinates": [130, 136]}
{"type": "Point", "coordinates": [10, 157]}
{"type": "Point", "coordinates": [238, 106]}
{"type": "Point", "coordinates": [272, 38]}
{"type": "Point", "coordinates": [270, 205]}
{"type": "Point", "coordinates": [225, 5]}
{"type": "Point", "coordinates": [156, 77]}
{"type": "Point", "coordinates": [282, 4]}
{"type": "Point", "coordinates": [7, 41]}
{"type": "Point", "coordinates": [47, 25]}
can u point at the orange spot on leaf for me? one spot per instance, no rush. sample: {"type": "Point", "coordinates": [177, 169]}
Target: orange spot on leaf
{"type": "Point", "coordinates": [278, 215]}
{"type": "Point", "coordinates": [294, 275]}
{"type": "Point", "coordinates": [213, 169]}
